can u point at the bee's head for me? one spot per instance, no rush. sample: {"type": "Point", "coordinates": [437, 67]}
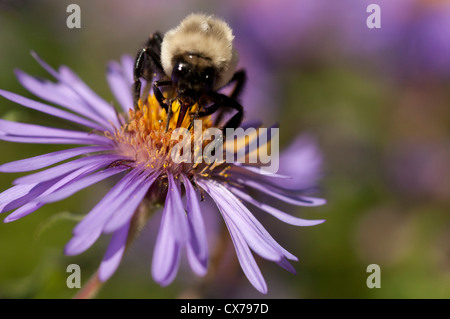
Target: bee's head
{"type": "Point", "coordinates": [193, 74]}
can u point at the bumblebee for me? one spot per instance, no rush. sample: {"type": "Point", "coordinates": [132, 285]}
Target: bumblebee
{"type": "Point", "coordinates": [194, 61]}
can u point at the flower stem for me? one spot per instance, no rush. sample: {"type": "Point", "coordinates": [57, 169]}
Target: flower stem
{"type": "Point", "coordinates": [90, 289]}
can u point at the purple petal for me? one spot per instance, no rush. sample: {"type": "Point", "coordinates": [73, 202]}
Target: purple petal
{"type": "Point", "coordinates": [47, 140]}
{"type": "Point", "coordinates": [249, 228]}
{"type": "Point", "coordinates": [255, 172]}
{"type": "Point", "coordinates": [114, 253]}
{"type": "Point", "coordinates": [120, 87]}
{"type": "Point", "coordinates": [23, 194]}
{"type": "Point", "coordinates": [32, 130]}
{"type": "Point", "coordinates": [177, 213]}
{"type": "Point", "coordinates": [199, 267]}
{"type": "Point", "coordinates": [41, 161]}
{"type": "Point", "coordinates": [69, 178]}
{"type": "Point", "coordinates": [173, 234]}
{"type": "Point", "coordinates": [59, 93]}
{"type": "Point", "coordinates": [126, 210]}
{"type": "Point", "coordinates": [83, 92]}
{"type": "Point", "coordinates": [280, 194]}
{"type": "Point", "coordinates": [119, 194]}
{"type": "Point", "coordinates": [44, 64]}
{"type": "Point", "coordinates": [22, 211]}
{"type": "Point", "coordinates": [80, 243]}
{"type": "Point", "coordinates": [245, 257]}
{"type": "Point", "coordinates": [28, 208]}
{"type": "Point", "coordinates": [15, 192]}
{"type": "Point", "coordinates": [166, 256]}
{"type": "Point", "coordinates": [127, 67]}
{"type": "Point", "coordinates": [289, 219]}
{"type": "Point", "coordinates": [81, 184]}
{"type": "Point", "coordinates": [254, 239]}
{"type": "Point", "coordinates": [41, 107]}
{"type": "Point", "coordinates": [284, 263]}
{"type": "Point", "coordinates": [99, 161]}
{"type": "Point", "coordinates": [198, 245]}
{"type": "Point", "coordinates": [254, 233]}
{"type": "Point", "coordinates": [90, 228]}
{"type": "Point", "coordinates": [86, 94]}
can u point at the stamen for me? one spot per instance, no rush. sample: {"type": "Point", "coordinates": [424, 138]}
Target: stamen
{"type": "Point", "coordinates": [147, 138]}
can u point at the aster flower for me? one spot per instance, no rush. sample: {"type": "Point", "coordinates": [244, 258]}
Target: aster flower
{"type": "Point", "coordinates": [134, 145]}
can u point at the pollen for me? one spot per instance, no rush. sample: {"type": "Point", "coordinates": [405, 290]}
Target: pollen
{"type": "Point", "coordinates": [145, 140]}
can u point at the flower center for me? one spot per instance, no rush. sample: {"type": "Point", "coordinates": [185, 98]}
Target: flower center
{"type": "Point", "coordinates": [144, 138]}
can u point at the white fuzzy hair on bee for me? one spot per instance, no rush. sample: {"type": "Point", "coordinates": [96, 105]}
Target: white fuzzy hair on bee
{"type": "Point", "coordinates": [206, 36]}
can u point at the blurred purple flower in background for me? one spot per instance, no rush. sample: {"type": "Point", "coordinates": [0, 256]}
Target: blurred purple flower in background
{"type": "Point", "coordinates": [134, 145]}
{"type": "Point", "coordinates": [354, 38]}
{"type": "Point", "coordinates": [420, 170]}
{"type": "Point", "coordinates": [426, 43]}
{"type": "Point", "coordinates": [280, 30]}
{"type": "Point", "coordinates": [413, 37]}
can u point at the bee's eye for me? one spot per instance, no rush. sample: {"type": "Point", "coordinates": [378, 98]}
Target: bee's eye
{"type": "Point", "coordinates": [180, 71]}
{"type": "Point", "coordinates": [208, 76]}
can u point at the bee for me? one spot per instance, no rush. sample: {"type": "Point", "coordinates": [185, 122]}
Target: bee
{"type": "Point", "coordinates": [194, 61]}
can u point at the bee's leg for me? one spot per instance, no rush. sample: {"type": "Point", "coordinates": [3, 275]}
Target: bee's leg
{"type": "Point", "coordinates": [160, 98]}
{"type": "Point", "coordinates": [158, 94]}
{"type": "Point", "coordinates": [194, 118]}
{"type": "Point", "coordinates": [208, 110]}
{"type": "Point", "coordinates": [184, 108]}
{"type": "Point", "coordinates": [240, 78]}
{"type": "Point", "coordinates": [236, 120]}
{"type": "Point", "coordinates": [147, 65]}
{"type": "Point", "coordinates": [223, 101]}
{"type": "Point", "coordinates": [169, 116]}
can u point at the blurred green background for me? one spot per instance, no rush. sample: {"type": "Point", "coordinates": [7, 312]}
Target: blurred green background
{"type": "Point", "coordinates": [377, 101]}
